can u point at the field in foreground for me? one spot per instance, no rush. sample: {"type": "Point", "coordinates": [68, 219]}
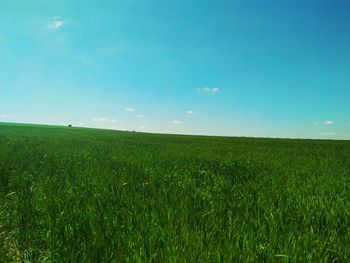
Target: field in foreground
{"type": "Point", "coordinates": [84, 195]}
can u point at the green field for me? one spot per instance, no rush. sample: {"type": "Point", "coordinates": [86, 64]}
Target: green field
{"type": "Point", "coordinates": [86, 195]}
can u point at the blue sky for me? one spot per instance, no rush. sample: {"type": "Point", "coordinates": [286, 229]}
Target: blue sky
{"type": "Point", "coordinates": [250, 68]}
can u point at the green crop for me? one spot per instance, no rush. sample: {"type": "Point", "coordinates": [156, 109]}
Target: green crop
{"type": "Point", "coordinates": [85, 195]}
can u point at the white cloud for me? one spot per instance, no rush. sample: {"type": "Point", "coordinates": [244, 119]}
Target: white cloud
{"type": "Point", "coordinates": [98, 119]}
{"type": "Point", "coordinates": [177, 122]}
{"type": "Point", "coordinates": [56, 23]}
{"type": "Point", "coordinates": [130, 109]}
{"type": "Point", "coordinates": [144, 128]}
{"type": "Point", "coordinates": [139, 116]}
{"type": "Point", "coordinates": [329, 122]}
{"type": "Point", "coordinates": [209, 90]}
{"type": "Point", "coordinates": [103, 120]}
{"type": "Point", "coordinates": [190, 112]}
{"type": "Point", "coordinates": [327, 133]}
{"type": "Point", "coordinates": [316, 123]}
{"type": "Point", "coordinates": [6, 116]}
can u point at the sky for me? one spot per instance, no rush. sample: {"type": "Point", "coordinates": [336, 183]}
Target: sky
{"type": "Point", "coordinates": [238, 68]}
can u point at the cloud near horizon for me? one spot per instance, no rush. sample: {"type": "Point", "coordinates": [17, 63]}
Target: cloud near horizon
{"type": "Point", "coordinates": [329, 122]}
{"type": "Point", "coordinates": [177, 122]}
{"type": "Point", "coordinates": [6, 116]}
{"type": "Point", "coordinates": [145, 128]}
{"type": "Point", "coordinates": [327, 133]}
{"type": "Point", "coordinates": [103, 120]}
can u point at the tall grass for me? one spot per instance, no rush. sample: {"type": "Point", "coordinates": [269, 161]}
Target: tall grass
{"type": "Point", "coordinates": [83, 195]}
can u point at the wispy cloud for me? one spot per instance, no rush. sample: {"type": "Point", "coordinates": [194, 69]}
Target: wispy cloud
{"type": "Point", "coordinates": [139, 116]}
{"type": "Point", "coordinates": [145, 128]}
{"type": "Point", "coordinates": [104, 123]}
{"type": "Point", "coordinates": [316, 123]}
{"type": "Point", "coordinates": [190, 112]}
{"type": "Point", "coordinates": [103, 120]}
{"type": "Point", "coordinates": [177, 122]}
{"type": "Point", "coordinates": [130, 109]}
{"type": "Point", "coordinates": [6, 116]}
{"type": "Point", "coordinates": [209, 89]}
{"type": "Point", "coordinates": [329, 122]}
{"type": "Point", "coordinates": [56, 23]}
{"type": "Point", "coordinates": [327, 133]}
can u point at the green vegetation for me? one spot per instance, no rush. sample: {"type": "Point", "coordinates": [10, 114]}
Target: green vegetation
{"type": "Point", "coordinates": [85, 195]}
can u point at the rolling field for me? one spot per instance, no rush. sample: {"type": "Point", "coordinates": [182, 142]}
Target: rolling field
{"type": "Point", "coordinates": [85, 195]}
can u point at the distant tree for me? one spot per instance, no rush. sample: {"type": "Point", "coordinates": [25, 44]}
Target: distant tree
{"type": "Point", "coordinates": [70, 125]}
